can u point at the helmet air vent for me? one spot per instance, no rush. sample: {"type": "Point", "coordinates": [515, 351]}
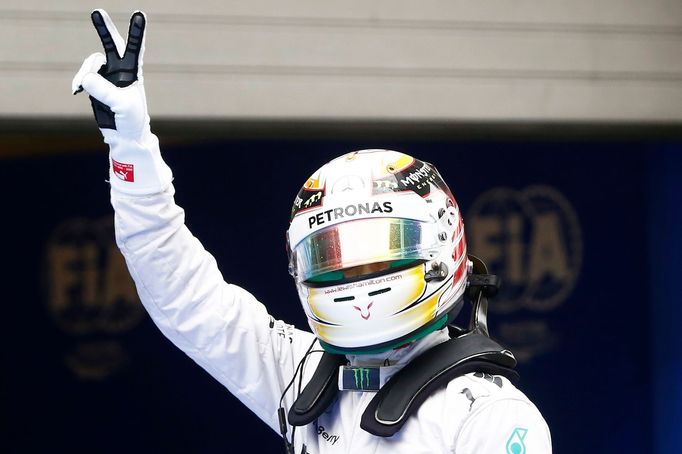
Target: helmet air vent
{"type": "Point", "coordinates": [379, 292]}
{"type": "Point", "coordinates": [344, 298]}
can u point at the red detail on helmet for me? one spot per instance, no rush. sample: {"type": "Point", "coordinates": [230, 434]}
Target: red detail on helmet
{"type": "Point", "coordinates": [461, 271]}
{"type": "Point", "coordinates": [366, 317]}
{"type": "Point", "coordinates": [460, 251]}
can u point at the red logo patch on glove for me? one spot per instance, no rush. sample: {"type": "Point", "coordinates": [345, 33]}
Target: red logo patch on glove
{"type": "Point", "coordinates": [123, 171]}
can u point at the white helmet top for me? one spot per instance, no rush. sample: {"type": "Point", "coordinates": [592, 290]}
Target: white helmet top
{"type": "Point", "coordinates": [377, 250]}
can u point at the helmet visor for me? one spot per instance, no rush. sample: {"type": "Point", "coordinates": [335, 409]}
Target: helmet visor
{"type": "Point", "coordinates": [361, 242]}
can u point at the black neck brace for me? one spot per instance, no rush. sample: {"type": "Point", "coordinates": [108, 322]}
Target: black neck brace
{"type": "Point", "coordinates": [404, 393]}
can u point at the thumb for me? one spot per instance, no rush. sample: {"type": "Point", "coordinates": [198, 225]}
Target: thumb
{"type": "Point", "coordinates": [92, 64]}
{"type": "Point", "coordinates": [100, 88]}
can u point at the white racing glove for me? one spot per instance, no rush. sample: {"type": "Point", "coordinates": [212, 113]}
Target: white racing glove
{"type": "Point", "coordinates": [115, 85]}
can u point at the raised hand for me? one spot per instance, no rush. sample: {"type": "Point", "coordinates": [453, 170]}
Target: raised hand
{"type": "Point", "coordinates": [114, 79]}
{"type": "Point", "coordinates": [115, 84]}
{"type": "Point", "coordinates": [121, 68]}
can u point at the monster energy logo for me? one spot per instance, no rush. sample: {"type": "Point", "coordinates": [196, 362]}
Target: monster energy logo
{"type": "Point", "coordinates": [363, 379]}
{"type": "Point", "coordinates": [361, 375]}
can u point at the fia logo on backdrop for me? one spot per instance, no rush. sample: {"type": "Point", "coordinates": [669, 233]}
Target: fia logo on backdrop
{"type": "Point", "coordinates": [532, 239]}
{"type": "Point", "coordinates": [90, 296]}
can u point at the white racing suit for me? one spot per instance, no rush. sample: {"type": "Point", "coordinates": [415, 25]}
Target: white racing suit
{"type": "Point", "coordinates": [230, 334]}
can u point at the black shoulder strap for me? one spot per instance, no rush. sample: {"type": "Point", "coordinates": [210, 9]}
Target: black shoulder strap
{"type": "Point", "coordinates": [320, 391]}
{"type": "Point", "coordinates": [408, 389]}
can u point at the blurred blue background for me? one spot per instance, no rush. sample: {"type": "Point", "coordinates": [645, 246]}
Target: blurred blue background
{"type": "Point", "coordinates": [586, 233]}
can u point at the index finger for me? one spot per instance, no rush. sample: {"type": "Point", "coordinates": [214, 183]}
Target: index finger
{"type": "Point", "coordinates": [134, 46]}
{"type": "Point", "coordinates": [108, 34]}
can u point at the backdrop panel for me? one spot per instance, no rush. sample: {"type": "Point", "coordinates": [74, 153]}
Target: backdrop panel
{"type": "Point", "coordinates": [566, 225]}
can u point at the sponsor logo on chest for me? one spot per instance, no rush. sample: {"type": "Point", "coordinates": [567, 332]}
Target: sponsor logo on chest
{"type": "Point", "coordinates": [322, 433]}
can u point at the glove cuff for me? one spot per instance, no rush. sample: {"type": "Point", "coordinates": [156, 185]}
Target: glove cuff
{"type": "Point", "coordinates": [136, 166]}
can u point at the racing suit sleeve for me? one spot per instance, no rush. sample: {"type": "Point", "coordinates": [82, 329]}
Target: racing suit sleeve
{"type": "Point", "coordinates": [508, 425]}
{"type": "Point", "coordinates": [221, 326]}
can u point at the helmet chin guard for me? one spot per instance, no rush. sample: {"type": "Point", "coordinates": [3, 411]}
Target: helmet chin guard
{"type": "Point", "coordinates": [377, 251]}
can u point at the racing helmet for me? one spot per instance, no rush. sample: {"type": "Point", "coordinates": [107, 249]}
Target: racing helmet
{"type": "Point", "coordinates": [377, 250]}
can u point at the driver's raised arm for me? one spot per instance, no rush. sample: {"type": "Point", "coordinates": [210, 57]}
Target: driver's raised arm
{"type": "Point", "coordinates": [221, 326]}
